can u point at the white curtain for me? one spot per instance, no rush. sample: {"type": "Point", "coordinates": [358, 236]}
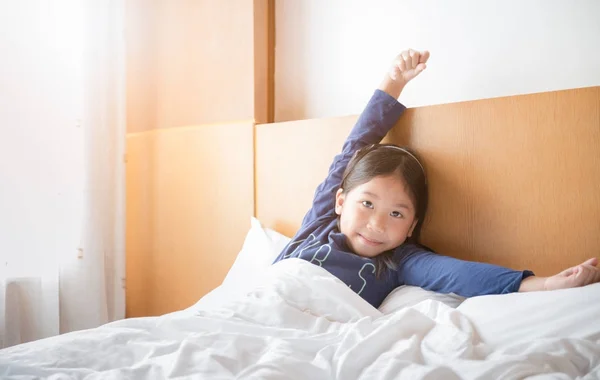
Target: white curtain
{"type": "Point", "coordinates": [62, 120]}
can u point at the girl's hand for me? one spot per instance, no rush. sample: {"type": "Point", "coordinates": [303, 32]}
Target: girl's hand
{"type": "Point", "coordinates": [405, 67]}
{"type": "Point", "coordinates": [580, 275]}
{"type": "Point", "coordinates": [408, 65]}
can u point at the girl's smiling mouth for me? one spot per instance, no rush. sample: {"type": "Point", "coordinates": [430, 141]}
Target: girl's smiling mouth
{"type": "Point", "coordinates": [369, 241]}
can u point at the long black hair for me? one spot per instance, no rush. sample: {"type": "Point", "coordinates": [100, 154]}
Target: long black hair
{"type": "Point", "coordinates": [383, 160]}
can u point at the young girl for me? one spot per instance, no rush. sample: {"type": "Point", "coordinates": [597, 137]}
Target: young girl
{"type": "Point", "coordinates": [366, 216]}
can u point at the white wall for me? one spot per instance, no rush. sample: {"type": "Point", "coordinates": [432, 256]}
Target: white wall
{"type": "Point", "coordinates": [41, 145]}
{"type": "Point", "coordinates": [331, 54]}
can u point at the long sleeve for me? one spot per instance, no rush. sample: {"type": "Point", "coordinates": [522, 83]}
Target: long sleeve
{"type": "Point", "coordinates": [428, 270]}
{"type": "Point", "coordinates": [379, 116]}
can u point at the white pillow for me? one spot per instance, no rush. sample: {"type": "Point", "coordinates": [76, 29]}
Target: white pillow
{"type": "Point", "coordinates": [261, 247]}
{"type": "Point", "coordinates": [407, 296]}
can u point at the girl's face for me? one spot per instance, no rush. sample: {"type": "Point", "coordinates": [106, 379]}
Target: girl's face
{"type": "Point", "coordinates": [376, 216]}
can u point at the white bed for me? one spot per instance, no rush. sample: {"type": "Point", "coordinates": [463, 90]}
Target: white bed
{"type": "Point", "coordinates": [294, 320]}
{"type": "Point", "coordinates": [501, 191]}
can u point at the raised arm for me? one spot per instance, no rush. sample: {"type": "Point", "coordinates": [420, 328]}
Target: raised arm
{"type": "Point", "coordinates": [379, 116]}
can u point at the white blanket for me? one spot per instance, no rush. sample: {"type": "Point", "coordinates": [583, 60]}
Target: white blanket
{"type": "Point", "coordinates": [299, 323]}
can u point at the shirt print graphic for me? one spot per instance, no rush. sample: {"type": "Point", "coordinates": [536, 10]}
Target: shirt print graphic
{"type": "Point", "coordinates": [320, 255]}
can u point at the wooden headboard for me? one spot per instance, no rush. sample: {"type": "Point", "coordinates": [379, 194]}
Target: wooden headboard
{"type": "Point", "coordinates": [514, 181]}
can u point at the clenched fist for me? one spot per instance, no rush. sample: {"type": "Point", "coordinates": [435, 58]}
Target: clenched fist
{"type": "Point", "coordinates": [405, 67]}
{"type": "Point", "coordinates": [408, 65]}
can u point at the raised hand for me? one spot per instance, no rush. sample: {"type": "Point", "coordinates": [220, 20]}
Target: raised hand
{"type": "Point", "coordinates": [408, 65]}
{"type": "Point", "coordinates": [404, 68]}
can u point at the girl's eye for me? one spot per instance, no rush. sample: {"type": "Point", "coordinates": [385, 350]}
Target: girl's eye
{"type": "Point", "coordinates": [367, 204]}
{"type": "Point", "coordinates": [396, 214]}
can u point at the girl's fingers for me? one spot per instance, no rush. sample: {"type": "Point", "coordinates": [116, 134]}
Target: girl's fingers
{"type": "Point", "coordinates": [596, 277]}
{"type": "Point", "coordinates": [401, 65]}
{"type": "Point", "coordinates": [593, 262]}
{"type": "Point", "coordinates": [567, 272]}
{"type": "Point", "coordinates": [414, 56]}
{"type": "Point", "coordinates": [407, 60]}
{"type": "Point", "coordinates": [409, 64]}
{"type": "Point", "coordinates": [587, 274]}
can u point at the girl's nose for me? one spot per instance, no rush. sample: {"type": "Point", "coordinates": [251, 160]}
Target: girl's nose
{"type": "Point", "coordinates": [377, 223]}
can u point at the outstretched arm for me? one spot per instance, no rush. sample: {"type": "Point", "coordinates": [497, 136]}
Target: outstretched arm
{"type": "Point", "coordinates": [444, 274]}
{"type": "Point", "coordinates": [428, 270]}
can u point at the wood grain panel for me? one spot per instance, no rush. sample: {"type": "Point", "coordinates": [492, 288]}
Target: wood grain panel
{"type": "Point", "coordinates": [189, 213]}
{"type": "Point", "coordinates": [513, 181]}
{"type": "Point", "coordinates": [138, 224]}
{"type": "Point", "coordinates": [195, 62]}
{"type": "Point", "coordinates": [536, 183]}
{"type": "Point", "coordinates": [292, 158]}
